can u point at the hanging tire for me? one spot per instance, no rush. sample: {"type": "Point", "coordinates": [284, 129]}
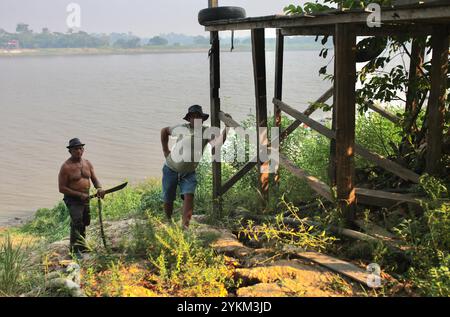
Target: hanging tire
{"type": "Point", "coordinates": [370, 48]}
{"type": "Point", "coordinates": [220, 13]}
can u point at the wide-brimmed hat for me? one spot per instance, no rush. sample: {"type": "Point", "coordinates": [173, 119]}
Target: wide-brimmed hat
{"type": "Point", "coordinates": [196, 109]}
{"type": "Point", "coordinates": [74, 143]}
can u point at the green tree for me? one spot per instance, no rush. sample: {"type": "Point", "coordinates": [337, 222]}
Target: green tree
{"type": "Point", "coordinates": [22, 28]}
{"type": "Point", "coordinates": [158, 40]}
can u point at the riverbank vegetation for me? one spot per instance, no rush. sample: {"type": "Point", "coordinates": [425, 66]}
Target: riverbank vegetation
{"type": "Point", "coordinates": [26, 42]}
{"type": "Point", "coordinates": [155, 258]}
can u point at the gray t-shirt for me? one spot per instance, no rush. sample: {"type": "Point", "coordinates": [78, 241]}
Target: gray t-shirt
{"type": "Point", "coordinates": [188, 150]}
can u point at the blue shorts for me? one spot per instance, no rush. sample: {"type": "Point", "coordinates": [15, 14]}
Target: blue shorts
{"type": "Point", "coordinates": [171, 180]}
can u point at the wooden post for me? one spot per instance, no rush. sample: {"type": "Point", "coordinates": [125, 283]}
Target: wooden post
{"type": "Point", "coordinates": [332, 160]}
{"type": "Point", "coordinates": [214, 72]}
{"type": "Point", "coordinates": [279, 58]}
{"type": "Point", "coordinates": [259, 71]}
{"type": "Point", "coordinates": [436, 101]}
{"type": "Point", "coordinates": [345, 79]}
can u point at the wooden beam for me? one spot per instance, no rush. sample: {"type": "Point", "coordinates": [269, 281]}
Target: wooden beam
{"type": "Point", "coordinates": [426, 14]}
{"type": "Point", "coordinates": [382, 198]}
{"type": "Point", "coordinates": [339, 266]}
{"type": "Point", "coordinates": [236, 177]}
{"type": "Point", "coordinates": [259, 73]}
{"type": "Point", "coordinates": [344, 81]}
{"type": "Point", "coordinates": [384, 113]}
{"type": "Point", "coordinates": [320, 187]}
{"type": "Point", "coordinates": [228, 120]}
{"type": "Point", "coordinates": [283, 135]}
{"type": "Point", "coordinates": [214, 66]}
{"type": "Point", "coordinates": [375, 158]}
{"type": "Point", "coordinates": [278, 90]}
{"type": "Point", "coordinates": [363, 30]}
{"type": "Point", "coordinates": [436, 101]}
{"type": "Point", "coordinates": [213, 3]}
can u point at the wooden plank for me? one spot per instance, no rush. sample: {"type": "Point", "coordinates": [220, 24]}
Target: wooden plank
{"type": "Point", "coordinates": [362, 30]}
{"type": "Point", "coordinates": [278, 90]}
{"type": "Point", "coordinates": [305, 119]}
{"type": "Point", "coordinates": [384, 113]}
{"type": "Point", "coordinates": [215, 121]}
{"type": "Point", "coordinates": [228, 120]}
{"type": "Point", "coordinates": [213, 3]}
{"type": "Point", "coordinates": [259, 73]}
{"type": "Point", "coordinates": [339, 266]}
{"type": "Point", "coordinates": [382, 198]}
{"type": "Point", "coordinates": [345, 79]}
{"type": "Point", "coordinates": [382, 234]}
{"type": "Point", "coordinates": [430, 14]}
{"type": "Point", "coordinates": [387, 164]}
{"type": "Point", "coordinates": [309, 111]}
{"type": "Point", "coordinates": [375, 230]}
{"type": "Point", "coordinates": [377, 159]}
{"type": "Point", "coordinates": [436, 101]}
{"type": "Point", "coordinates": [320, 187]}
{"type": "Point", "coordinates": [284, 134]}
{"type": "Point", "coordinates": [236, 177]}
{"type": "Point", "coordinates": [322, 99]}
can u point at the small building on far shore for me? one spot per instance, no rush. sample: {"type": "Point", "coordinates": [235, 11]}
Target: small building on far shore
{"type": "Point", "coordinates": [12, 45]}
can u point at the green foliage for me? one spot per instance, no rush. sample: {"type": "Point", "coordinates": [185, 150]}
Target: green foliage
{"type": "Point", "coordinates": [120, 204]}
{"type": "Point", "coordinates": [316, 7]}
{"type": "Point", "coordinates": [301, 235]}
{"type": "Point", "coordinates": [17, 274]}
{"type": "Point", "coordinates": [53, 224]}
{"type": "Point", "coordinates": [184, 264]}
{"type": "Point", "coordinates": [429, 239]}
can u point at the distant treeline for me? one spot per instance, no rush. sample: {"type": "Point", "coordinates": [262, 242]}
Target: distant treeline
{"type": "Point", "coordinates": [27, 38]}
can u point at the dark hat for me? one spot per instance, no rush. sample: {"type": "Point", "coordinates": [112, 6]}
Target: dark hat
{"type": "Point", "coordinates": [196, 109]}
{"type": "Point", "coordinates": [74, 143]}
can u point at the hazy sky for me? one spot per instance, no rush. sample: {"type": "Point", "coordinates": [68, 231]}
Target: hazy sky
{"type": "Point", "coordinates": [142, 17]}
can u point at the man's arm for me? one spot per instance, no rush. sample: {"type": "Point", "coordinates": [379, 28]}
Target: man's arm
{"type": "Point", "coordinates": [63, 179]}
{"type": "Point", "coordinates": [96, 182]}
{"type": "Point", "coordinates": [165, 133]}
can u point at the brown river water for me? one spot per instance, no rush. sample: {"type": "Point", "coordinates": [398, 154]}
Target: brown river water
{"type": "Point", "coordinates": [117, 105]}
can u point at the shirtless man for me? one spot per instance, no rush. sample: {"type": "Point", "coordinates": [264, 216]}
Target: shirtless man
{"type": "Point", "coordinates": [74, 181]}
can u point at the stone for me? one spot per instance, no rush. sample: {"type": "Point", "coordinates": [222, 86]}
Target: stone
{"type": "Point", "coordinates": [264, 290]}
{"type": "Point", "coordinates": [298, 278]}
{"type": "Point", "coordinates": [226, 242]}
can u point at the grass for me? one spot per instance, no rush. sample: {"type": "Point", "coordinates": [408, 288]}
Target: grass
{"type": "Point", "coordinates": [159, 259]}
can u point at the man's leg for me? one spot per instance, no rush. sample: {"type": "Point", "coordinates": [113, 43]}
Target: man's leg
{"type": "Point", "coordinates": [168, 208]}
{"type": "Point", "coordinates": [188, 207]}
{"type": "Point", "coordinates": [86, 222]}
{"type": "Point", "coordinates": [188, 183]}
{"type": "Point", "coordinates": [169, 190]}
{"type": "Point", "coordinates": [77, 227]}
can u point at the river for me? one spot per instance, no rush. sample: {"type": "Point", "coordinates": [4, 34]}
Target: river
{"type": "Point", "coordinates": [117, 105]}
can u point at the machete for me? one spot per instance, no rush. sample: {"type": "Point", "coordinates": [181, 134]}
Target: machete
{"type": "Point", "coordinates": [111, 190]}
{"type": "Point", "coordinates": [100, 220]}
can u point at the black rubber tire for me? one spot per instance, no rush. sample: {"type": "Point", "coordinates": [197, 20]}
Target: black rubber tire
{"type": "Point", "coordinates": [220, 13]}
{"type": "Point", "coordinates": [369, 48]}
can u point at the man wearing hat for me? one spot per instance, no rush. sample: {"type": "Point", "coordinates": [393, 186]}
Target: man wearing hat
{"type": "Point", "coordinates": [74, 182]}
{"type": "Point", "coordinates": [181, 171]}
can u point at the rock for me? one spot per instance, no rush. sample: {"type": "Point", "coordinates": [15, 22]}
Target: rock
{"type": "Point", "coordinates": [73, 271]}
{"type": "Point", "coordinates": [225, 242]}
{"type": "Point", "coordinates": [200, 218]}
{"type": "Point", "coordinates": [264, 290]}
{"type": "Point", "coordinates": [298, 278]}
{"type": "Point", "coordinates": [258, 257]}
{"type": "Point", "coordinates": [65, 286]}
